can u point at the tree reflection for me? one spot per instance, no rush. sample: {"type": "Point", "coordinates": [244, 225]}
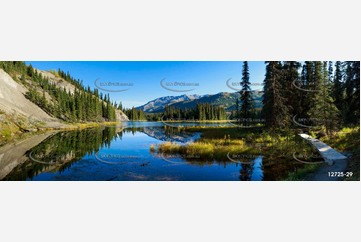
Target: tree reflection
{"type": "Point", "coordinates": [59, 152]}
{"type": "Point", "coordinates": [245, 173]}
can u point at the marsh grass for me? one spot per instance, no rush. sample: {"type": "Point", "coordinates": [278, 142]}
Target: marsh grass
{"type": "Point", "coordinates": [274, 146]}
{"type": "Point", "coordinates": [205, 148]}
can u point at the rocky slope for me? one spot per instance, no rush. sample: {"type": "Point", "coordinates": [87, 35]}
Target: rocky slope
{"type": "Point", "coordinates": [18, 114]}
{"type": "Point", "coordinates": [16, 111]}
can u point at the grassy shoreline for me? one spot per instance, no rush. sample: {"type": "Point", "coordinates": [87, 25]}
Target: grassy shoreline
{"type": "Point", "coordinates": [74, 126]}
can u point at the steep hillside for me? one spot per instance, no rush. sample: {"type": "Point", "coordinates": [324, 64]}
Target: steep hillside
{"type": "Point", "coordinates": [32, 99]}
{"type": "Point", "coordinates": [17, 113]}
{"type": "Point", "coordinates": [58, 81]}
{"type": "Point", "coordinates": [12, 98]}
{"type": "Point", "coordinates": [55, 79]}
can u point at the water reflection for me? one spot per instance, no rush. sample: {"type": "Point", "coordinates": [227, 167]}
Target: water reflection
{"type": "Point", "coordinates": [252, 171]}
{"type": "Point", "coordinates": [58, 152]}
{"type": "Point", "coordinates": [122, 153]}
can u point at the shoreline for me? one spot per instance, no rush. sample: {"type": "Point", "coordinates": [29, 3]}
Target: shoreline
{"type": "Point", "coordinates": [41, 130]}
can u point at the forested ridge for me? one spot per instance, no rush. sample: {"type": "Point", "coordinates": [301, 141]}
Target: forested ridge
{"type": "Point", "coordinates": [202, 112]}
{"type": "Point", "coordinates": [82, 105]}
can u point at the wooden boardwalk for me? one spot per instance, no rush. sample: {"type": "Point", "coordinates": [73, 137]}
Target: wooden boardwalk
{"type": "Point", "coordinates": [329, 154]}
{"type": "Point", "coordinates": [336, 161]}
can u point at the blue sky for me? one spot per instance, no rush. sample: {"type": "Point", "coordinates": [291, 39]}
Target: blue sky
{"type": "Point", "coordinates": [145, 76]}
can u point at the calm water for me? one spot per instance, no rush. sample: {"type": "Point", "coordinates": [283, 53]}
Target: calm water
{"type": "Point", "coordinates": [123, 153]}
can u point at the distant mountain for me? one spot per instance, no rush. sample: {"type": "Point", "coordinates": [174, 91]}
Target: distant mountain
{"type": "Point", "coordinates": [225, 99]}
{"type": "Point", "coordinates": [158, 104]}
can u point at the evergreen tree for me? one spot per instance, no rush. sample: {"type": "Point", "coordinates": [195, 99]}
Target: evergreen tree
{"type": "Point", "coordinates": [120, 106]}
{"type": "Point", "coordinates": [246, 98]}
{"type": "Point", "coordinates": [289, 91]}
{"type": "Point", "coordinates": [316, 98]}
{"type": "Point", "coordinates": [275, 110]}
{"type": "Point", "coordinates": [237, 109]}
{"type": "Point", "coordinates": [323, 111]}
{"type": "Point", "coordinates": [302, 94]}
{"type": "Point", "coordinates": [352, 88]}
{"type": "Point", "coordinates": [338, 90]}
{"type": "Point", "coordinates": [330, 72]}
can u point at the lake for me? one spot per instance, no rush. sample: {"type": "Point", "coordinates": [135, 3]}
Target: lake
{"type": "Point", "coordinates": [123, 153]}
